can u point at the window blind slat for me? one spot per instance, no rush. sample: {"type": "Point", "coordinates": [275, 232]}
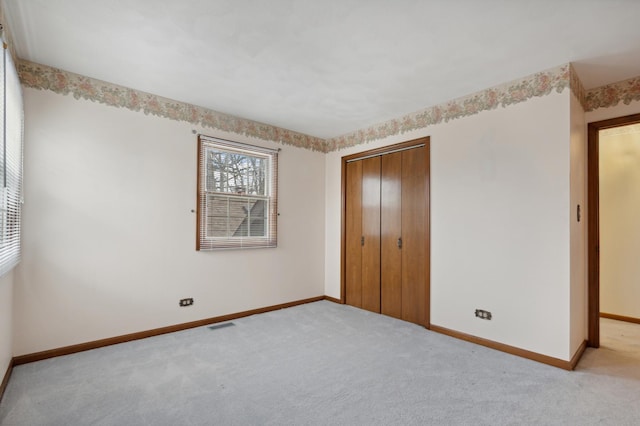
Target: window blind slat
{"type": "Point", "coordinates": [11, 164]}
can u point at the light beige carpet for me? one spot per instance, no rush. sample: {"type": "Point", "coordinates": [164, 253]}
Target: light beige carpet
{"type": "Point", "coordinates": [321, 364]}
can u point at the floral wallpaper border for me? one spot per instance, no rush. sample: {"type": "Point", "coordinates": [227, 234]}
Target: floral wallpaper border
{"type": "Point", "coordinates": [557, 79]}
{"type": "Point", "coordinates": [576, 87]}
{"type": "Point", "coordinates": [43, 77]}
{"type": "Point", "coordinates": [539, 84]}
{"type": "Point", "coordinates": [626, 91]}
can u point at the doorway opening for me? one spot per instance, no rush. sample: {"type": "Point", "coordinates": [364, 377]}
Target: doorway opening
{"type": "Point", "coordinates": [606, 168]}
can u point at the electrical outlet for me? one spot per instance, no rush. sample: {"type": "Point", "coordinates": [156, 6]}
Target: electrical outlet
{"type": "Point", "coordinates": [186, 302]}
{"type": "Point", "coordinates": [485, 315]}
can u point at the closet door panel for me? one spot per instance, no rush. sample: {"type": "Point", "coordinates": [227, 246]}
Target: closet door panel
{"type": "Point", "coordinates": [391, 231]}
{"type": "Point", "coordinates": [414, 236]}
{"type": "Point", "coordinates": [353, 247]}
{"type": "Point", "coordinates": [371, 234]}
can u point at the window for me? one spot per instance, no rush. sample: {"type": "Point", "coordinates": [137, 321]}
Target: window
{"type": "Point", "coordinates": [237, 195]}
{"type": "Point", "coordinates": [11, 118]}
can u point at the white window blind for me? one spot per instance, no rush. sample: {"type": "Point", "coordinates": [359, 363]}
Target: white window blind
{"type": "Point", "coordinates": [10, 164]}
{"type": "Point", "coordinates": [237, 195]}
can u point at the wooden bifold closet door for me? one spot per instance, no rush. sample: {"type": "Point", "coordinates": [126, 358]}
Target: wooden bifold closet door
{"type": "Point", "coordinates": [363, 241]}
{"type": "Point", "coordinates": [385, 238]}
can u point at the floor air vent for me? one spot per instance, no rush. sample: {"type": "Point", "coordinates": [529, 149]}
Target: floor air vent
{"type": "Point", "coordinates": [218, 326]}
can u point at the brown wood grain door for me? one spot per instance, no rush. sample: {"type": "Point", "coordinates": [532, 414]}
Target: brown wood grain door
{"type": "Point", "coordinates": [371, 234]}
{"type": "Point", "coordinates": [353, 246]}
{"type": "Point", "coordinates": [391, 232]}
{"type": "Point", "coordinates": [414, 236]}
{"type": "Point", "coordinates": [385, 229]}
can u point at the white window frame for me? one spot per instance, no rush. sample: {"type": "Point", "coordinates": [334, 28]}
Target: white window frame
{"type": "Point", "coordinates": [205, 217]}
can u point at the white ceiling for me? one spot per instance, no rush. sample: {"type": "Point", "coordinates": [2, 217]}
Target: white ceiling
{"type": "Point", "coordinates": [326, 67]}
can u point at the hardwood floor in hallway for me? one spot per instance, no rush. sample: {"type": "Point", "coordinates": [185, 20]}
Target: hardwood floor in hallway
{"type": "Point", "coordinates": [619, 352]}
{"type": "Point", "coordinates": [620, 336]}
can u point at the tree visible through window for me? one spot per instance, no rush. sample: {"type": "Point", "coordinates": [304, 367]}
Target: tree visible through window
{"type": "Point", "coordinates": [237, 195]}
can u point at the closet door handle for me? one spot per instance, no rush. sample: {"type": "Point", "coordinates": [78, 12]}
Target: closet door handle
{"type": "Point", "coordinates": [362, 241]}
{"type": "Point", "coordinates": [399, 242]}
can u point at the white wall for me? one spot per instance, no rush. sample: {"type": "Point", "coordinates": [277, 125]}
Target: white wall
{"type": "Point", "coordinates": [619, 161]}
{"type": "Point", "coordinates": [109, 237]}
{"type": "Point", "coordinates": [6, 322]}
{"type": "Point", "coordinates": [500, 215]}
{"type": "Point", "coordinates": [578, 230]}
{"type": "Point", "coordinates": [619, 110]}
